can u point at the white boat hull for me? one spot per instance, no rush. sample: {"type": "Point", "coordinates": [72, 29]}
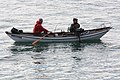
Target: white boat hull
{"type": "Point", "coordinates": [95, 34]}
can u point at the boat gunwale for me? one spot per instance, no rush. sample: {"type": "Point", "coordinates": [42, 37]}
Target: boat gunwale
{"type": "Point", "coordinates": [91, 33]}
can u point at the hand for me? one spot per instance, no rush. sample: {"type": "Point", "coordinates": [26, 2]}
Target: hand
{"type": "Point", "coordinates": [49, 32]}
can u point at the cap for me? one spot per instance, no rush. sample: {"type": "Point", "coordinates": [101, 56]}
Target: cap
{"type": "Point", "coordinates": [75, 19]}
{"type": "Point", "coordinates": [41, 20]}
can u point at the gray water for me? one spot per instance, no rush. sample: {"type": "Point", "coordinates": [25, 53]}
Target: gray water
{"type": "Point", "coordinates": [60, 61]}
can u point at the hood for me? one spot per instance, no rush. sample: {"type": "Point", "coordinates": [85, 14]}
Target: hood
{"type": "Point", "coordinates": [38, 22]}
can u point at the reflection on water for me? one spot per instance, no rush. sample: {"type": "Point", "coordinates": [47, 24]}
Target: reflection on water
{"type": "Point", "coordinates": [74, 46]}
{"type": "Point", "coordinates": [51, 48]}
{"type": "Point", "coordinates": [20, 48]}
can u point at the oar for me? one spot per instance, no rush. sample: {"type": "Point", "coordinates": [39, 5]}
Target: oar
{"type": "Point", "coordinates": [78, 34]}
{"type": "Point", "coordinates": [79, 37]}
{"type": "Point", "coordinates": [35, 42]}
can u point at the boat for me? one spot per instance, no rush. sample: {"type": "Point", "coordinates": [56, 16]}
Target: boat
{"type": "Point", "coordinates": [86, 35]}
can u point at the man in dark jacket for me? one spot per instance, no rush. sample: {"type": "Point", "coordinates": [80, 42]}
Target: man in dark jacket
{"type": "Point", "coordinates": [75, 25]}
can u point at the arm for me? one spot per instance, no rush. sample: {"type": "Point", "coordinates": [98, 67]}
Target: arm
{"type": "Point", "coordinates": [45, 30]}
{"type": "Point", "coordinates": [78, 26]}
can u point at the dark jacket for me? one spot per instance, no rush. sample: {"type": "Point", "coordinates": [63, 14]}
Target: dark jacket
{"type": "Point", "coordinates": [74, 27]}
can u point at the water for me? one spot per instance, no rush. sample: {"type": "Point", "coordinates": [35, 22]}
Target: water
{"type": "Point", "coordinates": [60, 61]}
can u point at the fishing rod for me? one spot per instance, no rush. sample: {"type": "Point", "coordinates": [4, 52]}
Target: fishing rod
{"type": "Point", "coordinates": [55, 28]}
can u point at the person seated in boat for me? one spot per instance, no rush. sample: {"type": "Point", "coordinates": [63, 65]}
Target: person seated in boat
{"type": "Point", "coordinates": [38, 28]}
{"type": "Point", "coordinates": [75, 25]}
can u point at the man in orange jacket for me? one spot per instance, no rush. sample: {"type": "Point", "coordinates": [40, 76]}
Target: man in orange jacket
{"type": "Point", "coordinates": [38, 28]}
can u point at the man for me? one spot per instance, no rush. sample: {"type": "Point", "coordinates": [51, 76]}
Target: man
{"type": "Point", "coordinates": [75, 25]}
{"type": "Point", "coordinates": [38, 28]}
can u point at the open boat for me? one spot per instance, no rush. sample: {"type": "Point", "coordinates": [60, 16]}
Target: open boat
{"type": "Point", "coordinates": [93, 34]}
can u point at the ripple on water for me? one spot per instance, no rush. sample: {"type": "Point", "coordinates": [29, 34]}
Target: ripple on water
{"type": "Point", "coordinates": [60, 61]}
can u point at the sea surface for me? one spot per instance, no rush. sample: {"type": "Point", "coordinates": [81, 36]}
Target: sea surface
{"type": "Point", "coordinates": [60, 61]}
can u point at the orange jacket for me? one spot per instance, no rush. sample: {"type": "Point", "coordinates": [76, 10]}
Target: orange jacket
{"type": "Point", "coordinates": [38, 28]}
